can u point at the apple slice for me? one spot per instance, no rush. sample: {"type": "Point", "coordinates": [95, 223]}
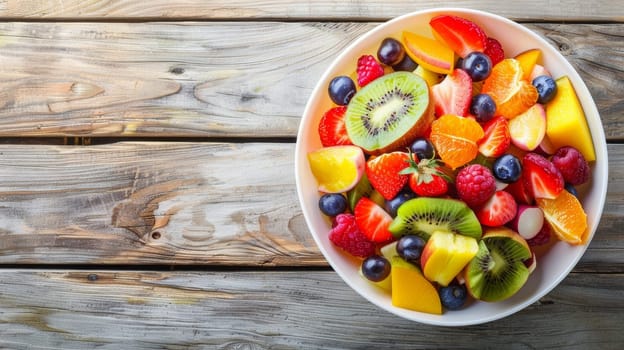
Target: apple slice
{"type": "Point", "coordinates": [445, 255]}
{"type": "Point", "coordinates": [538, 70]}
{"type": "Point", "coordinates": [527, 130]}
{"type": "Point", "coordinates": [429, 53]}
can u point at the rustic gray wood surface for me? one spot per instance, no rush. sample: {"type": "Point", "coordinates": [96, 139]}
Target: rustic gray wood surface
{"type": "Point", "coordinates": [147, 195]}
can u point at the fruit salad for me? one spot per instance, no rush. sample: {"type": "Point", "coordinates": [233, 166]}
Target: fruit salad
{"type": "Point", "coordinates": [449, 168]}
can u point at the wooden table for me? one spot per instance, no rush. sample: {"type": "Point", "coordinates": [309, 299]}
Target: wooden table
{"type": "Point", "coordinates": [147, 184]}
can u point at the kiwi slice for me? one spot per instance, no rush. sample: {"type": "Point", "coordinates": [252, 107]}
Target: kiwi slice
{"type": "Point", "coordinates": [498, 271]}
{"type": "Point", "coordinates": [424, 215]}
{"type": "Point", "coordinates": [389, 112]}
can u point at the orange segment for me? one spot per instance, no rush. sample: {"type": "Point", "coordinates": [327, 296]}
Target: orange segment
{"type": "Point", "coordinates": [512, 94]}
{"type": "Point", "coordinates": [455, 139]}
{"type": "Point", "coordinates": [566, 216]}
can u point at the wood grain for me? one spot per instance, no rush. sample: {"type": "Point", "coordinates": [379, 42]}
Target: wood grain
{"type": "Point", "coordinates": [300, 10]}
{"type": "Point", "coordinates": [186, 203]}
{"type": "Point", "coordinates": [275, 310]}
{"type": "Point", "coordinates": [217, 79]}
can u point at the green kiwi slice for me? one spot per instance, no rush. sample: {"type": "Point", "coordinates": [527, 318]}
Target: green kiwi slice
{"type": "Point", "coordinates": [424, 215]}
{"type": "Point", "coordinates": [389, 112]}
{"type": "Point", "coordinates": [498, 271]}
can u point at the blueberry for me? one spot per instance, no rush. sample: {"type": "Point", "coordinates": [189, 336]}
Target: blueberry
{"type": "Point", "coordinates": [546, 88]}
{"type": "Point", "coordinates": [393, 205]}
{"type": "Point", "coordinates": [507, 168]}
{"type": "Point", "coordinates": [390, 52]}
{"type": "Point", "coordinates": [422, 148]}
{"type": "Point", "coordinates": [332, 204]}
{"type": "Point", "coordinates": [570, 188]}
{"type": "Point", "coordinates": [478, 65]}
{"type": "Point", "coordinates": [341, 90]}
{"type": "Point", "coordinates": [410, 247]}
{"type": "Point", "coordinates": [376, 268]}
{"type": "Point", "coordinates": [453, 296]}
{"type": "Point", "coordinates": [483, 107]}
{"type": "Point", "coordinates": [406, 64]}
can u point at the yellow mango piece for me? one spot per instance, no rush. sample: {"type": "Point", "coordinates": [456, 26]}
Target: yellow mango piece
{"type": "Point", "coordinates": [432, 54]}
{"type": "Point", "coordinates": [411, 290]}
{"type": "Point", "coordinates": [528, 59]}
{"type": "Point", "coordinates": [565, 121]}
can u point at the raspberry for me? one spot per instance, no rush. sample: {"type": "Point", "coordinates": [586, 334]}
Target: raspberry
{"type": "Point", "coordinates": [475, 184]}
{"type": "Point", "coordinates": [346, 235]}
{"type": "Point", "coordinates": [495, 50]}
{"type": "Point", "coordinates": [368, 69]}
{"type": "Point", "coordinates": [572, 165]}
{"type": "Point", "coordinates": [541, 238]}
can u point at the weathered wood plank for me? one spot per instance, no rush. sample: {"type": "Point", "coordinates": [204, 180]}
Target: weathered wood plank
{"type": "Point", "coordinates": [275, 310]}
{"type": "Point", "coordinates": [218, 79]}
{"type": "Point", "coordinates": [285, 9]}
{"type": "Point", "coordinates": [186, 203]}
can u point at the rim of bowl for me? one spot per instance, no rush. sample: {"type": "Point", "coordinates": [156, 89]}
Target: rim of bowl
{"type": "Point", "coordinates": [596, 130]}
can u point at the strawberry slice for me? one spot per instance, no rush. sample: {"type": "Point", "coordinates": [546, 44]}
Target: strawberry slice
{"type": "Point", "coordinates": [453, 94]}
{"type": "Point", "coordinates": [383, 173]}
{"type": "Point", "coordinates": [497, 138]}
{"type": "Point", "coordinates": [520, 192]}
{"type": "Point", "coordinates": [461, 35]}
{"type": "Point", "coordinates": [373, 221]}
{"type": "Point", "coordinates": [498, 210]}
{"type": "Point", "coordinates": [332, 129]}
{"type": "Point", "coordinates": [541, 178]}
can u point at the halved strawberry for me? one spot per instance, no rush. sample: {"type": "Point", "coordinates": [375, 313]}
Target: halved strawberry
{"type": "Point", "coordinates": [453, 94]}
{"type": "Point", "coordinates": [541, 178]}
{"type": "Point", "coordinates": [373, 221]}
{"type": "Point", "coordinates": [383, 173]}
{"type": "Point", "coordinates": [460, 34]}
{"type": "Point", "coordinates": [520, 192]}
{"type": "Point", "coordinates": [332, 130]}
{"type": "Point", "coordinates": [496, 139]}
{"type": "Point", "coordinates": [498, 210]}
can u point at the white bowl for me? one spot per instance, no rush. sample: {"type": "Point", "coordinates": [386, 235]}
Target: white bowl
{"type": "Point", "coordinates": [552, 268]}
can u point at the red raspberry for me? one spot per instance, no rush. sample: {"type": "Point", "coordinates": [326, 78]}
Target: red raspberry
{"type": "Point", "coordinates": [348, 236]}
{"type": "Point", "coordinates": [572, 165]}
{"type": "Point", "coordinates": [475, 184]}
{"type": "Point", "coordinates": [368, 69]}
{"type": "Point", "coordinates": [494, 50]}
{"type": "Point", "coordinates": [541, 238]}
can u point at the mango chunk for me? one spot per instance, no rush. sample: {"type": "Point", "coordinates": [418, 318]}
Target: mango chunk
{"type": "Point", "coordinates": [528, 59]}
{"type": "Point", "coordinates": [565, 121]}
{"type": "Point", "coordinates": [411, 290]}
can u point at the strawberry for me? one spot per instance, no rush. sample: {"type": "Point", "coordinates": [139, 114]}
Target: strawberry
{"type": "Point", "coordinates": [498, 210]}
{"type": "Point", "coordinates": [541, 178]}
{"type": "Point", "coordinates": [368, 69]}
{"type": "Point", "coordinates": [520, 193]}
{"type": "Point", "coordinates": [461, 35]}
{"type": "Point", "coordinates": [497, 138]}
{"type": "Point", "coordinates": [332, 129]}
{"type": "Point", "coordinates": [453, 94]}
{"type": "Point", "coordinates": [373, 221]}
{"type": "Point", "coordinates": [427, 178]}
{"type": "Point", "coordinates": [494, 50]}
{"type": "Point", "coordinates": [383, 173]}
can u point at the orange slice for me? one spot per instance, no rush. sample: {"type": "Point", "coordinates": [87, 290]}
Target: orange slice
{"type": "Point", "coordinates": [566, 217]}
{"type": "Point", "coordinates": [512, 94]}
{"type": "Point", "coordinates": [455, 139]}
